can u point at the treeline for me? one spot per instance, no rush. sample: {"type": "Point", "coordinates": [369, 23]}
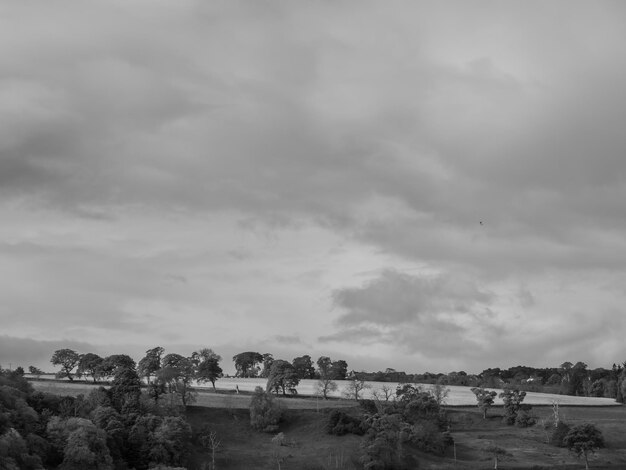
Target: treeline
{"type": "Point", "coordinates": [119, 427]}
{"type": "Point", "coordinates": [567, 379]}
{"type": "Point", "coordinates": [174, 370]}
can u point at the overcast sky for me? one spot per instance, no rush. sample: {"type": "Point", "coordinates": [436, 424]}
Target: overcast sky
{"type": "Point", "coordinates": [421, 185]}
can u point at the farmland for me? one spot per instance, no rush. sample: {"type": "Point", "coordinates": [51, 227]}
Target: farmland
{"type": "Point", "coordinates": [310, 447]}
{"type": "Point", "coordinates": [458, 396]}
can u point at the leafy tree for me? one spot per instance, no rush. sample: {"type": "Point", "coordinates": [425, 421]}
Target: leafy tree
{"type": "Point", "coordinates": [584, 439]}
{"type": "Point", "coordinates": [268, 360]}
{"type": "Point", "coordinates": [67, 359]}
{"type": "Point", "coordinates": [178, 373]}
{"type": "Point", "coordinates": [125, 389]}
{"type": "Point", "coordinates": [81, 443]}
{"type": "Point", "coordinates": [495, 452]}
{"type": "Point", "coordinates": [111, 363]}
{"type": "Point", "coordinates": [206, 363]}
{"type": "Point", "coordinates": [34, 371]}
{"type": "Point", "coordinates": [512, 399]}
{"type": "Point", "coordinates": [150, 363]}
{"type": "Point", "coordinates": [303, 366]}
{"type": "Point", "coordinates": [246, 363]}
{"type": "Point", "coordinates": [484, 398]}
{"type": "Point", "coordinates": [383, 446]}
{"type": "Point", "coordinates": [282, 377]}
{"type": "Point", "coordinates": [339, 369]}
{"type": "Point", "coordinates": [170, 441]}
{"type": "Point", "coordinates": [265, 413]}
{"type": "Point", "coordinates": [90, 365]}
{"type": "Point", "coordinates": [325, 384]}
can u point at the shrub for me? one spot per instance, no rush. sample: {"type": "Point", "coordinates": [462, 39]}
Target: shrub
{"type": "Point", "coordinates": [559, 433]}
{"type": "Point", "coordinates": [340, 423]}
{"type": "Point", "coordinates": [265, 413]}
{"type": "Point", "coordinates": [525, 419]}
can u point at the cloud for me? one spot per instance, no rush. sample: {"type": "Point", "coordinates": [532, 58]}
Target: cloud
{"type": "Point", "coordinates": [26, 351]}
{"type": "Point", "coordinates": [396, 298]}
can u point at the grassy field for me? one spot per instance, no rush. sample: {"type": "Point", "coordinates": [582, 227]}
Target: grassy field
{"type": "Point", "coordinates": [310, 448]}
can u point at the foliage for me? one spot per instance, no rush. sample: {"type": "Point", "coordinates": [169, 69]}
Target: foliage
{"type": "Point", "coordinates": [303, 367]}
{"type": "Point", "coordinates": [558, 434]}
{"type": "Point", "coordinates": [90, 364]}
{"type": "Point", "coordinates": [35, 371]}
{"type": "Point", "coordinates": [111, 364]}
{"type": "Point", "coordinates": [125, 389]}
{"type": "Point", "coordinates": [170, 441]}
{"type": "Point", "coordinates": [206, 363]}
{"type": "Point", "coordinates": [282, 377]}
{"type": "Point", "coordinates": [513, 399]}
{"type": "Point", "coordinates": [525, 419]}
{"type": "Point", "coordinates": [150, 363]}
{"type": "Point", "coordinates": [246, 363]}
{"type": "Point", "coordinates": [584, 439]}
{"type": "Point", "coordinates": [484, 398]}
{"type": "Point", "coordinates": [66, 358]}
{"type": "Point", "coordinates": [177, 372]}
{"type": "Point", "coordinates": [265, 413]}
{"type": "Point", "coordinates": [355, 387]}
{"type": "Point", "coordinates": [340, 423]}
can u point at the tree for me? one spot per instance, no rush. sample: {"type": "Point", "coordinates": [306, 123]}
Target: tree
{"type": "Point", "coordinates": [111, 363]}
{"type": "Point", "coordinates": [206, 363]}
{"type": "Point", "coordinates": [512, 399]}
{"type": "Point", "coordinates": [325, 384]}
{"type": "Point", "coordinates": [282, 377]}
{"type": "Point", "coordinates": [67, 359]}
{"type": "Point", "coordinates": [170, 441]}
{"type": "Point", "coordinates": [339, 369]}
{"type": "Point", "coordinates": [265, 413]}
{"type": "Point", "coordinates": [584, 439]}
{"type": "Point", "coordinates": [496, 452]}
{"type": "Point", "coordinates": [34, 371]}
{"type": "Point", "coordinates": [178, 372]}
{"type": "Point", "coordinates": [150, 363]}
{"type": "Point", "coordinates": [246, 363]}
{"type": "Point", "coordinates": [484, 398]}
{"type": "Point", "coordinates": [303, 367]}
{"type": "Point", "coordinates": [90, 364]}
{"type": "Point", "coordinates": [355, 387]}
{"type": "Point", "coordinates": [268, 360]}
{"type": "Point", "coordinates": [125, 389]}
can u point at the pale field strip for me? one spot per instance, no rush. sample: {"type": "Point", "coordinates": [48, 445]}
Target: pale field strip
{"type": "Point", "coordinates": [457, 396]}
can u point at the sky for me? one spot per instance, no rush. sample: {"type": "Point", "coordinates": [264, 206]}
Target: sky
{"type": "Point", "coordinates": [418, 185]}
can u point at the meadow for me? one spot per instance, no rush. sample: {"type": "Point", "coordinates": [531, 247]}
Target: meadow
{"type": "Point", "coordinates": [309, 447]}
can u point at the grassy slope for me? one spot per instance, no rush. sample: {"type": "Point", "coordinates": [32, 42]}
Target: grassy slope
{"type": "Point", "coordinates": [245, 449]}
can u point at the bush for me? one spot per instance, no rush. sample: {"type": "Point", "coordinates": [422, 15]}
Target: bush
{"type": "Point", "coordinates": [340, 423]}
{"type": "Point", "coordinates": [265, 413]}
{"type": "Point", "coordinates": [525, 419]}
{"type": "Point", "coordinates": [559, 433]}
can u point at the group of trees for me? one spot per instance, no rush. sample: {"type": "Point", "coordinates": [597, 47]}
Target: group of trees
{"type": "Point", "coordinates": [164, 373]}
{"type": "Point", "coordinates": [254, 364]}
{"type": "Point", "coordinates": [114, 428]}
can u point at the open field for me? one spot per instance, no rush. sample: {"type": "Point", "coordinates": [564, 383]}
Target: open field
{"type": "Point", "coordinates": [458, 396]}
{"type": "Point", "coordinates": [310, 448]}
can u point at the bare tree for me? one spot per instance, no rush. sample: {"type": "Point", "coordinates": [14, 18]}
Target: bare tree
{"type": "Point", "coordinates": [212, 443]}
{"type": "Point", "coordinates": [355, 387]}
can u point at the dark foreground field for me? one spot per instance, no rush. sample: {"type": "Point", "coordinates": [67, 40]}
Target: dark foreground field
{"type": "Point", "coordinates": [309, 447]}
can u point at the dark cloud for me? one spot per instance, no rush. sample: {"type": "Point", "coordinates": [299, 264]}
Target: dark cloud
{"type": "Point", "coordinates": [26, 351]}
{"type": "Point", "coordinates": [396, 298]}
